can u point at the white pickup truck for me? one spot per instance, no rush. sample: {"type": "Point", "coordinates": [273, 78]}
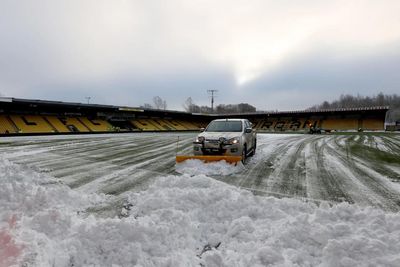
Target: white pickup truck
{"type": "Point", "coordinates": [231, 137]}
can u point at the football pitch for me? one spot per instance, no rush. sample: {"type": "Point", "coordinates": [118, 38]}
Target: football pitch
{"type": "Point", "coordinates": [355, 168]}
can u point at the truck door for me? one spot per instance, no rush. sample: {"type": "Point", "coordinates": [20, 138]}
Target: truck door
{"type": "Point", "coordinates": [248, 136]}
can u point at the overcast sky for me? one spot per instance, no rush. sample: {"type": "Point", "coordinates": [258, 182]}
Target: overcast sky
{"type": "Point", "coordinates": [281, 55]}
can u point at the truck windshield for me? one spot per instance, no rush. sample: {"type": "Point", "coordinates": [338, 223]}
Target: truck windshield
{"type": "Point", "coordinates": [224, 126]}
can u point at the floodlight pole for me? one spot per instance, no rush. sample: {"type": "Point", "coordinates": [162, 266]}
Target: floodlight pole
{"type": "Point", "coordinates": [212, 98]}
{"type": "Point", "coordinates": [87, 98]}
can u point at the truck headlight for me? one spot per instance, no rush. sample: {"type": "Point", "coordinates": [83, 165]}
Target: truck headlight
{"type": "Point", "coordinates": [234, 140]}
{"type": "Point", "coordinates": [200, 139]}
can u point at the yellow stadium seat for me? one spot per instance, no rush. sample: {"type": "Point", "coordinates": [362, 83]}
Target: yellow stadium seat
{"type": "Point", "coordinates": [188, 125]}
{"type": "Point", "coordinates": [281, 125]}
{"type": "Point", "coordinates": [176, 124]}
{"type": "Point", "coordinates": [31, 124]}
{"type": "Point", "coordinates": [6, 126]}
{"type": "Point", "coordinates": [145, 125]}
{"type": "Point", "coordinates": [267, 125]}
{"type": "Point", "coordinates": [163, 124]}
{"type": "Point", "coordinates": [57, 124]}
{"type": "Point", "coordinates": [340, 124]}
{"type": "Point", "coordinates": [97, 125]}
{"type": "Point", "coordinates": [295, 124]}
{"type": "Point", "coordinates": [372, 124]}
{"type": "Point", "coordinates": [74, 124]}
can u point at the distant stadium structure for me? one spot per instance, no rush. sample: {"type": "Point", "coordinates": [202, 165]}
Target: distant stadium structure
{"type": "Point", "coordinates": [28, 117]}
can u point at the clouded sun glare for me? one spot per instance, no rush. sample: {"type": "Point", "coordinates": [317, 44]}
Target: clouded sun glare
{"type": "Point", "coordinates": [255, 55]}
{"type": "Point", "coordinates": [252, 59]}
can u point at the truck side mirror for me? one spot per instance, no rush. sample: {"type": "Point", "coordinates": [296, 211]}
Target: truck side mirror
{"type": "Point", "coordinates": [248, 130]}
{"type": "Point", "coordinates": [202, 129]}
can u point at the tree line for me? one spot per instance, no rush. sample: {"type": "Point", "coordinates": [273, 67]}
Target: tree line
{"type": "Point", "coordinates": [344, 101]}
{"type": "Point", "coordinates": [190, 106]}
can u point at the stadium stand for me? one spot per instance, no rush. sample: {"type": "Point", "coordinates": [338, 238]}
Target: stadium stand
{"type": "Point", "coordinates": [57, 124]}
{"type": "Point", "coordinates": [177, 125]}
{"type": "Point", "coordinates": [96, 125]}
{"type": "Point", "coordinates": [145, 125]}
{"type": "Point", "coordinates": [74, 124]}
{"type": "Point", "coordinates": [6, 126]}
{"type": "Point", "coordinates": [280, 125]}
{"type": "Point", "coordinates": [266, 125]}
{"type": "Point", "coordinates": [163, 125]}
{"type": "Point", "coordinates": [31, 124]}
{"type": "Point", "coordinates": [340, 124]}
{"type": "Point", "coordinates": [187, 125]}
{"type": "Point", "coordinates": [284, 124]}
{"type": "Point", "coordinates": [158, 124]}
{"type": "Point", "coordinates": [372, 124]}
{"type": "Point", "coordinates": [200, 124]}
{"type": "Point", "coordinates": [295, 124]}
{"type": "Point", "coordinates": [24, 116]}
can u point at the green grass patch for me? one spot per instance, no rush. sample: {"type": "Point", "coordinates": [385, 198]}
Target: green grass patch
{"type": "Point", "coordinates": [373, 154]}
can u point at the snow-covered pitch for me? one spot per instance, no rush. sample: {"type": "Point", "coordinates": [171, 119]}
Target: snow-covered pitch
{"type": "Point", "coordinates": [120, 200]}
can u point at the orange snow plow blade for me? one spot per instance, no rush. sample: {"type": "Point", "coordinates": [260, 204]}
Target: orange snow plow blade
{"type": "Point", "coordinates": [229, 159]}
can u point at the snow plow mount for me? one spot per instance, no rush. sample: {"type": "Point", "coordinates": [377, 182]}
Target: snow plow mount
{"type": "Point", "coordinates": [209, 158]}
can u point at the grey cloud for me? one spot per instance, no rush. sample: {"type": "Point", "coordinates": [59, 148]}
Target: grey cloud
{"type": "Point", "coordinates": [324, 74]}
{"type": "Point", "coordinates": [126, 52]}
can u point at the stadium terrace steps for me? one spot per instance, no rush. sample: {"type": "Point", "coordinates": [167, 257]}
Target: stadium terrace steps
{"type": "Point", "coordinates": [276, 124]}
{"type": "Point", "coordinates": [6, 126]}
{"type": "Point", "coordinates": [154, 124]}
{"type": "Point", "coordinates": [372, 124]}
{"type": "Point", "coordinates": [145, 125]}
{"type": "Point", "coordinates": [75, 125]}
{"type": "Point", "coordinates": [177, 125]}
{"type": "Point", "coordinates": [188, 125]}
{"type": "Point", "coordinates": [164, 125]}
{"type": "Point", "coordinates": [31, 124]}
{"type": "Point", "coordinates": [97, 125]}
{"type": "Point", "coordinates": [57, 124]}
{"type": "Point", "coordinates": [286, 125]}
{"type": "Point", "coordinates": [32, 116]}
{"type": "Point", "coordinates": [340, 124]}
{"type": "Point", "coordinates": [47, 124]}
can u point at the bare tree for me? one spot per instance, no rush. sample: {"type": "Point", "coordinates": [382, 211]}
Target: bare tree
{"type": "Point", "coordinates": [159, 103]}
{"type": "Point", "coordinates": [147, 106]}
{"type": "Point", "coordinates": [188, 104]}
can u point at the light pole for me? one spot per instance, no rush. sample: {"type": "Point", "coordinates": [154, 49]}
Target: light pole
{"type": "Point", "coordinates": [212, 92]}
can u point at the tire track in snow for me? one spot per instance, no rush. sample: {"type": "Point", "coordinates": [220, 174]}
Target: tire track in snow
{"type": "Point", "coordinates": [319, 167]}
{"type": "Point", "coordinates": [292, 172]}
{"type": "Point", "coordinates": [380, 190]}
{"type": "Point", "coordinates": [261, 175]}
{"type": "Point", "coordinates": [138, 173]}
{"type": "Point", "coordinates": [261, 165]}
{"type": "Point", "coordinates": [321, 182]}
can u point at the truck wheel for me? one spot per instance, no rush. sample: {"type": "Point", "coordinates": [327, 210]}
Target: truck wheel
{"type": "Point", "coordinates": [253, 150]}
{"type": "Point", "coordinates": [244, 154]}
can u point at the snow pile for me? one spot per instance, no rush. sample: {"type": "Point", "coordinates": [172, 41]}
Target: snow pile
{"type": "Point", "coordinates": [198, 167]}
{"type": "Point", "coordinates": [185, 221]}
